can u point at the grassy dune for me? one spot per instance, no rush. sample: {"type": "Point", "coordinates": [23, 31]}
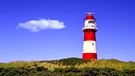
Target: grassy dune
{"type": "Point", "coordinates": [68, 67]}
{"type": "Point", "coordinates": [72, 62]}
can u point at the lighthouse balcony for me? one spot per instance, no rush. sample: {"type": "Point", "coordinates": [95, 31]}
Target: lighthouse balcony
{"type": "Point", "coordinates": [85, 28]}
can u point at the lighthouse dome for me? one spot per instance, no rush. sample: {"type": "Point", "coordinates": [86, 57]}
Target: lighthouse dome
{"type": "Point", "coordinates": [89, 17]}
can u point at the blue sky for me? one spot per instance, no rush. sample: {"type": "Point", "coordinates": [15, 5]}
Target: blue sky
{"type": "Point", "coordinates": [114, 18]}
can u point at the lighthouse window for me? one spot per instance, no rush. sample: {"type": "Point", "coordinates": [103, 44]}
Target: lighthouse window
{"type": "Point", "coordinates": [92, 43]}
{"type": "Point", "coordinates": [91, 22]}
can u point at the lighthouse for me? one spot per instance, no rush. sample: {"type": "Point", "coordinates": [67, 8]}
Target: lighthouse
{"type": "Point", "coordinates": [89, 44]}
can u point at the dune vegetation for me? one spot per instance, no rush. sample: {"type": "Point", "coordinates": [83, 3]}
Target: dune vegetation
{"type": "Point", "coordinates": [68, 66]}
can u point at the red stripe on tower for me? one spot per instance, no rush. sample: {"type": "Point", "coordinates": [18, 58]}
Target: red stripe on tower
{"type": "Point", "coordinates": [89, 45]}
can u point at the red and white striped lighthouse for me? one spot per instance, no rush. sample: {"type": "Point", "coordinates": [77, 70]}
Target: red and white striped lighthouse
{"type": "Point", "coordinates": [89, 44]}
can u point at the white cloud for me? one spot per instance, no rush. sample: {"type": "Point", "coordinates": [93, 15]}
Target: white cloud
{"type": "Point", "coordinates": [41, 24]}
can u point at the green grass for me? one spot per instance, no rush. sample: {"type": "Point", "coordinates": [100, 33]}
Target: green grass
{"type": "Point", "coordinates": [72, 62]}
{"type": "Point", "coordinates": [111, 63]}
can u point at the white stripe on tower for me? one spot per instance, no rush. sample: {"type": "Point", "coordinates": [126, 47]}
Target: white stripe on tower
{"type": "Point", "coordinates": [89, 45]}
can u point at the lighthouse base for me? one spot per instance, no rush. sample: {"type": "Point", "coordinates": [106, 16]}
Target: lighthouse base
{"type": "Point", "coordinates": [89, 56]}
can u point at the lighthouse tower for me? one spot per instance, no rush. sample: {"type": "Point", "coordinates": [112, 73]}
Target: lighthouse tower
{"type": "Point", "coordinates": [89, 44]}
